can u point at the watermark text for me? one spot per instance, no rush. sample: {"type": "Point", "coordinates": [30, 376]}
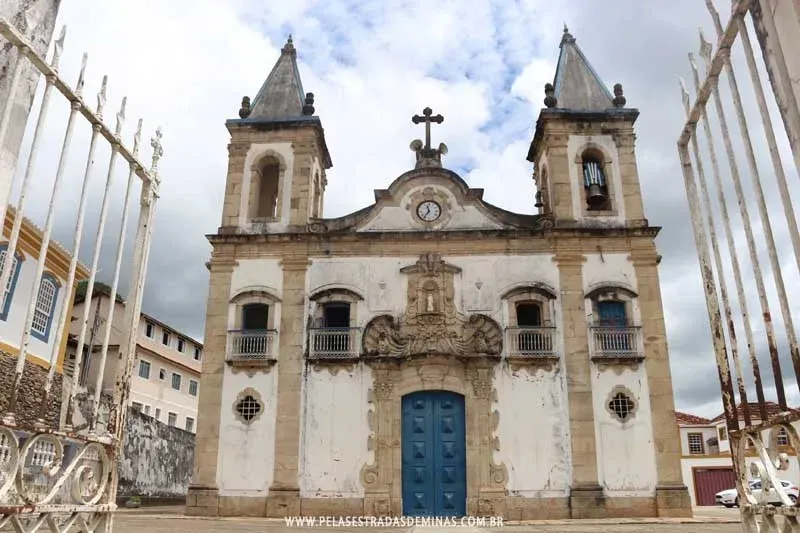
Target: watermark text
{"type": "Point", "coordinates": [393, 521]}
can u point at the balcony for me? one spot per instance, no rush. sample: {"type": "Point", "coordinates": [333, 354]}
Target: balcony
{"type": "Point", "coordinates": [254, 347]}
{"type": "Point", "coordinates": [334, 343]}
{"type": "Point", "coordinates": [616, 343]}
{"type": "Point", "coordinates": [532, 345]}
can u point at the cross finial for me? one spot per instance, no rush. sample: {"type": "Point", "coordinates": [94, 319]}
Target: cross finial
{"type": "Point", "coordinates": [427, 156]}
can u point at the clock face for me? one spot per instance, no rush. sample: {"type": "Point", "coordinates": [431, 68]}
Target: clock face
{"type": "Point", "coordinates": [428, 211]}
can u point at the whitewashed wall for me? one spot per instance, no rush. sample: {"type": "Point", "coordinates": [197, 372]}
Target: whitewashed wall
{"type": "Point", "coordinates": [533, 432]}
{"type": "Point", "coordinates": [11, 328]}
{"type": "Point", "coordinates": [576, 144]}
{"type": "Point", "coordinates": [247, 451]}
{"type": "Point", "coordinates": [335, 433]}
{"type": "Point", "coordinates": [477, 289]}
{"type": "Point", "coordinates": [625, 450]}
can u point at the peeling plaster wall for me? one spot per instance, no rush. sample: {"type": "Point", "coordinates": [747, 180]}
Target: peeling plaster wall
{"type": "Point", "coordinates": [247, 451]}
{"type": "Point", "coordinates": [626, 460]}
{"type": "Point", "coordinates": [478, 288]}
{"type": "Point", "coordinates": [533, 432]}
{"type": "Point", "coordinates": [156, 460]}
{"type": "Point", "coordinates": [335, 433]}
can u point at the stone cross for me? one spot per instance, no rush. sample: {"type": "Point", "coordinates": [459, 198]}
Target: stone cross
{"type": "Point", "coordinates": [427, 119]}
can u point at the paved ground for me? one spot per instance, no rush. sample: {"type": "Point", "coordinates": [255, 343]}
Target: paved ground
{"type": "Point", "coordinates": [169, 520]}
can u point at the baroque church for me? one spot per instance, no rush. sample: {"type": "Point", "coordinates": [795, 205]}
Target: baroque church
{"type": "Point", "coordinates": [432, 354]}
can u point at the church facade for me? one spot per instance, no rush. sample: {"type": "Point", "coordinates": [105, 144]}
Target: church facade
{"type": "Point", "coordinates": [433, 354]}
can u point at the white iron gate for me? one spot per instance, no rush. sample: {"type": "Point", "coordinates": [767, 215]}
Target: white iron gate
{"type": "Point", "coordinates": [754, 427]}
{"type": "Point", "coordinates": [62, 476]}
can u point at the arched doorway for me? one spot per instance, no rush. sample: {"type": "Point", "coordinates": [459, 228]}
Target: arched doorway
{"type": "Point", "coordinates": [434, 465]}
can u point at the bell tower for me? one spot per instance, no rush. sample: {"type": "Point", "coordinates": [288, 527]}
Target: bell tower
{"type": "Point", "coordinates": [277, 156]}
{"type": "Point", "coordinates": [583, 149]}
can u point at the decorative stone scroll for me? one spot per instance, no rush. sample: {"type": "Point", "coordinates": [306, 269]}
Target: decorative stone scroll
{"type": "Point", "coordinates": [431, 324]}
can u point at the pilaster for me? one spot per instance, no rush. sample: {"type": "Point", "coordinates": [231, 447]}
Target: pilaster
{"type": "Point", "coordinates": [203, 498]}
{"type": "Point", "coordinates": [586, 494]}
{"type": "Point", "coordinates": [558, 173]}
{"type": "Point", "coordinates": [672, 496]}
{"type": "Point", "coordinates": [631, 194]}
{"type": "Point", "coordinates": [237, 153]}
{"type": "Point", "coordinates": [284, 494]}
{"type": "Point", "coordinates": [299, 207]}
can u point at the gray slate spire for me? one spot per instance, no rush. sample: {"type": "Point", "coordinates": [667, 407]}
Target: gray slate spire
{"type": "Point", "coordinates": [577, 85]}
{"type": "Point", "coordinates": [282, 95]}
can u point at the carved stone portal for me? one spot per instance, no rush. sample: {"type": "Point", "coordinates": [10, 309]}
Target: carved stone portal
{"type": "Point", "coordinates": [431, 324]}
{"type": "Point", "coordinates": [432, 347]}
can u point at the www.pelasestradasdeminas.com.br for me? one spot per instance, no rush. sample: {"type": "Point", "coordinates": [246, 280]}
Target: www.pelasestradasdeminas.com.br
{"type": "Point", "coordinates": [393, 521]}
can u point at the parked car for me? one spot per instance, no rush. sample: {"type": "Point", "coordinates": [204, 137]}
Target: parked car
{"type": "Point", "coordinates": [729, 498]}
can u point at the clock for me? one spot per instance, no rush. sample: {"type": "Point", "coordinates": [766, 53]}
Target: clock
{"type": "Point", "coordinates": [428, 210]}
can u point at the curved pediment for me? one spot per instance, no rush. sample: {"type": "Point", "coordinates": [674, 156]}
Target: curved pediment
{"type": "Point", "coordinates": [429, 199]}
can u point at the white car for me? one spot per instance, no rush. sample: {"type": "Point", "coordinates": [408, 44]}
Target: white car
{"type": "Point", "coordinates": [730, 498]}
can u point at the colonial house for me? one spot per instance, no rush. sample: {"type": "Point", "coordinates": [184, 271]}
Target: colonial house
{"type": "Point", "coordinates": [705, 453]}
{"type": "Point", "coordinates": [166, 375]}
{"type": "Point", "coordinates": [47, 343]}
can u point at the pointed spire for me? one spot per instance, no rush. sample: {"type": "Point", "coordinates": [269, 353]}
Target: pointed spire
{"type": "Point", "coordinates": [577, 85]}
{"type": "Point", "coordinates": [281, 96]}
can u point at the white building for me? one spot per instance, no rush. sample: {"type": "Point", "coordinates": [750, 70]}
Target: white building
{"type": "Point", "coordinates": [166, 378]}
{"type": "Point", "coordinates": [705, 453]}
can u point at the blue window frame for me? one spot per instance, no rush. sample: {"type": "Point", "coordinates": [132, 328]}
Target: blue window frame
{"type": "Point", "coordinates": [612, 314]}
{"type": "Point", "coordinates": [45, 307]}
{"type": "Point", "coordinates": [12, 280]}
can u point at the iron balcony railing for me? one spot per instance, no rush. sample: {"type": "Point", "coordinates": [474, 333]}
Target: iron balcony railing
{"type": "Point", "coordinates": [335, 343]}
{"type": "Point", "coordinates": [531, 341]}
{"type": "Point", "coordinates": [616, 341]}
{"type": "Point", "coordinates": [251, 344]}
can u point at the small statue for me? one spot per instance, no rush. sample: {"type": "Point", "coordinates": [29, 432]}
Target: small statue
{"type": "Point", "coordinates": [550, 99]}
{"type": "Point", "coordinates": [619, 100]}
{"type": "Point", "coordinates": [245, 110]}
{"type": "Point", "coordinates": [481, 346]}
{"type": "Point", "coordinates": [430, 303]}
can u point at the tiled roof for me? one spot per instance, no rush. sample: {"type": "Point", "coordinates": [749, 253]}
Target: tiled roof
{"type": "Point", "coordinates": [772, 408]}
{"type": "Point", "coordinates": [690, 420]}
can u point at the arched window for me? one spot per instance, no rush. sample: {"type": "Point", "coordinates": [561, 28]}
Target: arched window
{"type": "Point", "coordinates": [253, 333]}
{"type": "Point", "coordinates": [264, 188]}
{"type": "Point", "coordinates": [595, 182]}
{"type": "Point", "coordinates": [530, 320]}
{"type": "Point", "coordinates": [334, 332]}
{"type": "Point", "coordinates": [8, 294]}
{"type": "Point", "coordinates": [614, 331]}
{"type": "Point", "coordinates": [45, 307]}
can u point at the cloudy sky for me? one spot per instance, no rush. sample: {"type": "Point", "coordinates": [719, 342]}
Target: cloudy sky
{"type": "Point", "coordinates": [372, 64]}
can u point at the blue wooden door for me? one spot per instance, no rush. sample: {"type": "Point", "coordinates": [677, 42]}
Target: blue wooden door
{"type": "Point", "coordinates": [434, 463]}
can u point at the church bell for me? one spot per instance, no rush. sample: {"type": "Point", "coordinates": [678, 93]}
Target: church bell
{"type": "Point", "coordinates": [595, 197]}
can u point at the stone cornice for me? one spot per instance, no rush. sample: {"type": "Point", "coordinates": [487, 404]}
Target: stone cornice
{"type": "Point", "coordinates": [406, 236]}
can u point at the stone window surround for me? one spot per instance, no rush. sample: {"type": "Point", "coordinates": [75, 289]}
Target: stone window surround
{"type": "Point", "coordinates": [537, 293]}
{"type": "Point", "coordinates": [543, 187]}
{"type": "Point", "coordinates": [599, 153]}
{"type": "Point", "coordinates": [621, 389]}
{"type": "Point", "coordinates": [330, 294]}
{"type": "Point", "coordinates": [253, 393]}
{"type": "Point", "coordinates": [611, 291]}
{"type": "Point", "coordinates": [259, 161]}
{"type": "Point", "coordinates": [253, 295]}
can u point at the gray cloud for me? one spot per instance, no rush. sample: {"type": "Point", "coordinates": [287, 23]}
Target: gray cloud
{"type": "Point", "coordinates": [372, 65]}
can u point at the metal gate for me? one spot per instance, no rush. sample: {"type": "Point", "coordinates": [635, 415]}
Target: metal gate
{"type": "Point", "coordinates": [54, 475]}
{"type": "Point", "coordinates": [753, 426]}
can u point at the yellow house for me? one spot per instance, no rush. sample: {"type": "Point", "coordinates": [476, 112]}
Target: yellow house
{"type": "Point", "coordinates": [52, 295]}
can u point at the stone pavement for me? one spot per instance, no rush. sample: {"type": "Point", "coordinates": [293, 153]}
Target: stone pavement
{"type": "Point", "coordinates": [153, 520]}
